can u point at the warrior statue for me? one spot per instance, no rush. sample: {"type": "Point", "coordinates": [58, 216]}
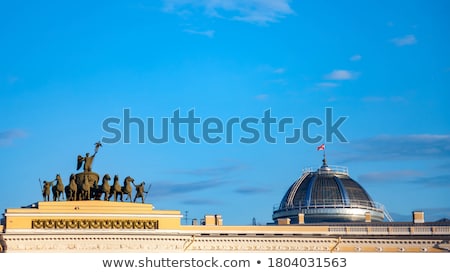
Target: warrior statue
{"type": "Point", "coordinates": [88, 160]}
{"type": "Point", "coordinates": [140, 192]}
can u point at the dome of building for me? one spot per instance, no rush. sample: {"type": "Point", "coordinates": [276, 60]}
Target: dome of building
{"type": "Point", "coordinates": [328, 195]}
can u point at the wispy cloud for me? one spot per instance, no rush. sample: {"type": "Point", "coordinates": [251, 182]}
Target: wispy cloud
{"type": "Point", "coordinates": [213, 171]}
{"type": "Point", "coordinates": [355, 58]}
{"type": "Point", "coordinates": [390, 147]}
{"type": "Point", "coordinates": [437, 181]}
{"type": "Point", "coordinates": [169, 188]}
{"type": "Point", "coordinates": [262, 97]}
{"type": "Point", "coordinates": [204, 179]}
{"type": "Point", "coordinates": [207, 33]}
{"type": "Point", "coordinates": [202, 202]}
{"type": "Point", "coordinates": [341, 74]}
{"type": "Point", "coordinates": [389, 176]}
{"type": "Point", "coordinates": [431, 214]}
{"type": "Point", "coordinates": [374, 99]}
{"type": "Point", "coordinates": [277, 81]}
{"type": "Point", "coordinates": [332, 99]}
{"type": "Point", "coordinates": [279, 70]}
{"type": "Point", "coordinates": [400, 217]}
{"type": "Point", "coordinates": [327, 84]}
{"type": "Point", "coordinates": [404, 40]}
{"type": "Point", "coordinates": [436, 214]}
{"type": "Point", "coordinates": [7, 137]}
{"type": "Point", "coordinates": [266, 68]}
{"type": "Point", "coordinates": [12, 79]}
{"type": "Point", "coordinates": [251, 190]}
{"type": "Point", "coordinates": [252, 11]}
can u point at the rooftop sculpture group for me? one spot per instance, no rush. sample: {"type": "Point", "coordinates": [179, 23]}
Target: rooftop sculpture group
{"type": "Point", "coordinates": [85, 185]}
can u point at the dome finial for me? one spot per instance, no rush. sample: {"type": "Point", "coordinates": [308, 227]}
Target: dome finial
{"type": "Point", "coordinates": [324, 160]}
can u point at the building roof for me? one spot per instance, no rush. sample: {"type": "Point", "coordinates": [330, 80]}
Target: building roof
{"type": "Point", "coordinates": [328, 194]}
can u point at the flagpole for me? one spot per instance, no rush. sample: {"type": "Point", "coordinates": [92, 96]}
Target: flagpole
{"type": "Point", "coordinates": [322, 147]}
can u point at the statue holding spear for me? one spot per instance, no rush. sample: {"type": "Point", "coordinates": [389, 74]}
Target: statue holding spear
{"type": "Point", "coordinates": [140, 190]}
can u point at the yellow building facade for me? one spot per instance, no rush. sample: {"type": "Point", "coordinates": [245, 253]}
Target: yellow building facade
{"type": "Point", "coordinates": [104, 226]}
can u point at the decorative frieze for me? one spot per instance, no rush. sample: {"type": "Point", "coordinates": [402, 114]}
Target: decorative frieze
{"type": "Point", "coordinates": [93, 224]}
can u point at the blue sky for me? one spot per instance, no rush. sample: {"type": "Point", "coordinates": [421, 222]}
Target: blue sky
{"type": "Point", "coordinates": [66, 67]}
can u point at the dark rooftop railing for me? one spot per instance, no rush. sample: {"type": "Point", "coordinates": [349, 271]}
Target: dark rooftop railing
{"type": "Point", "coordinates": [330, 203]}
{"type": "Point", "coordinates": [328, 169]}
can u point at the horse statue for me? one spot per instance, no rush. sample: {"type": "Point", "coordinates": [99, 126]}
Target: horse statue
{"type": "Point", "coordinates": [85, 193]}
{"type": "Point", "coordinates": [105, 187]}
{"type": "Point", "coordinates": [71, 189]}
{"type": "Point", "coordinates": [58, 189]}
{"type": "Point", "coordinates": [96, 190]}
{"type": "Point", "coordinates": [116, 189]}
{"type": "Point", "coordinates": [46, 190]}
{"type": "Point", "coordinates": [127, 189]}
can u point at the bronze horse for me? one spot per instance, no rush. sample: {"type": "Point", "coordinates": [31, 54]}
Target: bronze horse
{"type": "Point", "coordinates": [58, 189]}
{"type": "Point", "coordinates": [85, 193]}
{"type": "Point", "coordinates": [118, 190]}
{"type": "Point", "coordinates": [105, 188]}
{"type": "Point", "coordinates": [71, 189]}
{"type": "Point", "coordinates": [127, 189]}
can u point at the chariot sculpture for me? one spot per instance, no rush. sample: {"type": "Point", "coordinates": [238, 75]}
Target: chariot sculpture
{"type": "Point", "coordinates": [85, 185]}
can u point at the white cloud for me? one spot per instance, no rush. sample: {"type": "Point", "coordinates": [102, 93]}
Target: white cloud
{"type": "Point", "coordinates": [355, 58]}
{"type": "Point", "coordinates": [405, 40]}
{"type": "Point", "coordinates": [8, 137]}
{"type": "Point", "coordinates": [373, 99]}
{"type": "Point", "coordinates": [252, 11]}
{"type": "Point", "coordinates": [327, 84]}
{"type": "Point", "coordinates": [277, 81]}
{"type": "Point", "coordinates": [332, 99]}
{"type": "Point", "coordinates": [384, 99]}
{"type": "Point", "coordinates": [279, 70]}
{"type": "Point", "coordinates": [12, 79]}
{"type": "Point", "coordinates": [271, 69]}
{"type": "Point", "coordinates": [389, 176]}
{"type": "Point", "coordinates": [341, 75]}
{"type": "Point", "coordinates": [262, 97]}
{"type": "Point", "coordinates": [207, 33]}
{"type": "Point", "coordinates": [251, 190]}
{"type": "Point", "coordinates": [399, 147]}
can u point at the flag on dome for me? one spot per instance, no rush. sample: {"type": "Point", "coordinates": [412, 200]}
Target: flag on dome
{"type": "Point", "coordinates": [321, 147]}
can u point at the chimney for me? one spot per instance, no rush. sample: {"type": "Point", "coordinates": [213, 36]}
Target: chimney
{"type": "Point", "coordinates": [210, 220]}
{"type": "Point", "coordinates": [418, 217]}
{"type": "Point", "coordinates": [301, 218]}
{"type": "Point", "coordinates": [219, 220]}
